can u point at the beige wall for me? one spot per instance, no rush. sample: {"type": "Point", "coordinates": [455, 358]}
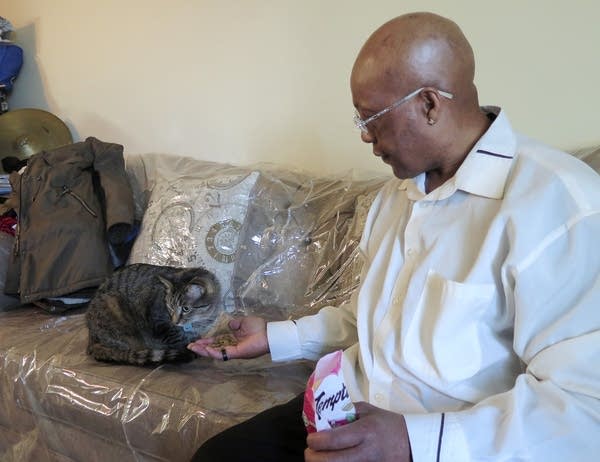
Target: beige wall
{"type": "Point", "coordinates": [249, 80]}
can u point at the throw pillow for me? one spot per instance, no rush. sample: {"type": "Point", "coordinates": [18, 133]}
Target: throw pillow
{"type": "Point", "coordinates": [195, 221]}
{"type": "Point", "coordinates": [307, 227]}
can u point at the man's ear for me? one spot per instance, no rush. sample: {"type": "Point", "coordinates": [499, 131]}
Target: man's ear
{"type": "Point", "coordinates": [431, 105]}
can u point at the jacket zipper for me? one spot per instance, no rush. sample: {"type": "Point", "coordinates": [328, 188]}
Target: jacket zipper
{"type": "Point", "coordinates": [16, 247]}
{"type": "Point", "coordinates": [67, 190]}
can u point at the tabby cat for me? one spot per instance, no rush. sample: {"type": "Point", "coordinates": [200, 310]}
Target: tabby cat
{"type": "Point", "coordinates": [147, 314]}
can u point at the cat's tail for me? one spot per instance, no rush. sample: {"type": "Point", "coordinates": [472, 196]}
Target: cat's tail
{"type": "Point", "coordinates": [139, 357]}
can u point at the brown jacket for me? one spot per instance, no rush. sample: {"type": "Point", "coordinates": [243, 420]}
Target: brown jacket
{"type": "Point", "coordinates": [70, 202]}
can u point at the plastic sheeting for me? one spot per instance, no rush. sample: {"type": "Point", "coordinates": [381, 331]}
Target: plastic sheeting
{"type": "Point", "coordinates": [291, 250]}
{"type": "Point", "coordinates": [296, 238]}
{"type": "Point", "coordinates": [590, 156]}
{"type": "Point", "coordinates": [295, 234]}
{"type": "Point", "coordinates": [56, 403]}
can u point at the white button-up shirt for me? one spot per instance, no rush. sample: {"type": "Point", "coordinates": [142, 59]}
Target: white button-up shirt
{"type": "Point", "coordinates": [478, 315]}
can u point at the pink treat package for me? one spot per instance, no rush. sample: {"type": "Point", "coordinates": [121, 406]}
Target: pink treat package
{"type": "Point", "coordinates": [326, 400]}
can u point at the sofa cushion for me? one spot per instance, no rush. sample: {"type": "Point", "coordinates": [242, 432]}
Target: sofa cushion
{"type": "Point", "coordinates": [298, 247]}
{"type": "Point", "coordinates": [58, 403]}
{"type": "Point", "coordinates": [193, 218]}
{"type": "Point", "coordinates": [282, 242]}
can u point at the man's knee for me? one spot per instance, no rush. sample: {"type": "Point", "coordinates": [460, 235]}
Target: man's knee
{"type": "Point", "coordinates": [215, 449]}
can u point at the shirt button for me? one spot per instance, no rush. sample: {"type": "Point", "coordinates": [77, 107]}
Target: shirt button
{"type": "Point", "coordinates": [410, 252]}
{"type": "Point", "coordinates": [396, 301]}
{"type": "Point", "coordinates": [378, 397]}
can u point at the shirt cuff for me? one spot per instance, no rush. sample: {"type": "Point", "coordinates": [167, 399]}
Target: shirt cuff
{"type": "Point", "coordinates": [436, 437]}
{"type": "Point", "coordinates": [283, 341]}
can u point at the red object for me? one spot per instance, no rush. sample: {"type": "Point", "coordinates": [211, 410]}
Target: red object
{"type": "Point", "coordinates": [8, 225]}
{"type": "Point", "coordinates": [327, 402]}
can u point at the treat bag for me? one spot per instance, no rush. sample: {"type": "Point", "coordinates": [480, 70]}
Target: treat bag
{"type": "Point", "coordinates": [327, 403]}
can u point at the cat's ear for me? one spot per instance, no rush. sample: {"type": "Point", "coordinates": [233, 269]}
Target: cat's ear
{"type": "Point", "coordinates": [200, 292]}
{"type": "Point", "coordinates": [165, 282]}
{"type": "Point", "coordinates": [169, 291]}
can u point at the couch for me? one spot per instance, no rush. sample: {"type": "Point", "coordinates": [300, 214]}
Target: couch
{"type": "Point", "coordinates": [282, 243]}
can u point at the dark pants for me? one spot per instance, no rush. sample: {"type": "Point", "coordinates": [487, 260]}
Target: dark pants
{"type": "Point", "coordinates": [275, 435]}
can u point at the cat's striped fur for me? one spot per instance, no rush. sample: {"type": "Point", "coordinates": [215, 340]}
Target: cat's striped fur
{"type": "Point", "coordinates": [147, 314]}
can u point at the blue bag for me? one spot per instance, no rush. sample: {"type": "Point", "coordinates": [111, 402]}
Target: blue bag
{"type": "Point", "coordinates": [11, 60]}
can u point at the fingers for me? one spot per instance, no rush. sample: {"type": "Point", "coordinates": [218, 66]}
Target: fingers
{"type": "Point", "coordinates": [363, 408]}
{"type": "Point", "coordinates": [378, 435]}
{"type": "Point", "coordinates": [202, 347]}
{"type": "Point", "coordinates": [346, 455]}
{"type": "Point", "coordinates": [250, 333]}
{"type": "Point", "coordinates": [344, 437]}
{"type": "Point", "coordinates": [223, 353]}
{"type": "Point", "coordinates": [218, 353]}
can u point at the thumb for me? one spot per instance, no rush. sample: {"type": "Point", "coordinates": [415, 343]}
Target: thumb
{"type": "Point", "coordinates": [235, 324]}
{"type": "Point", "coordinates": [362, 408]}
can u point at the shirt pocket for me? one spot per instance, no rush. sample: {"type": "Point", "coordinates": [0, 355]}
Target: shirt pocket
{"type": "Point", "coordinates": [442, 342]}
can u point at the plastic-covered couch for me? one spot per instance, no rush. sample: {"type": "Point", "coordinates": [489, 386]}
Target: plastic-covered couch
{"type": "Point", "coordinates": [282, 243]}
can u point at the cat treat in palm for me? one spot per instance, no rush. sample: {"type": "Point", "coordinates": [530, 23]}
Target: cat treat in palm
{"type": "Point", "coordinates": [327, 403]}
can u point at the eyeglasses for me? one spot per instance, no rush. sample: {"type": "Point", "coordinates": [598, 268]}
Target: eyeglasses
{"type": "Point", "coordinates": [362, 124]}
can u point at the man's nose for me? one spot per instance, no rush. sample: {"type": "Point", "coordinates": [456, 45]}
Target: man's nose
{"type": "Point", "coordinates": [367, 137]}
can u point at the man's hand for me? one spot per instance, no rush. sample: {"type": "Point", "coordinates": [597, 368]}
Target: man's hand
{"type": "Point", "coordinates": [377, 436]}
{"type": "Point", "coordinates": [250, 333]}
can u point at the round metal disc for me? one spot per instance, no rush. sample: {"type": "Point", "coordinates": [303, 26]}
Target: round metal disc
{"type": "Point", "coordinates": [25, 132]}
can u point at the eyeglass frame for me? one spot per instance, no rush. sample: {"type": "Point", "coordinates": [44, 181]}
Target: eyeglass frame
{"type": "Point", "coordinates": [362, 124]}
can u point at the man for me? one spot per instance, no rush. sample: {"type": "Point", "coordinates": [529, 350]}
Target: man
{"type": "Point", "coordinates": [475, 332]}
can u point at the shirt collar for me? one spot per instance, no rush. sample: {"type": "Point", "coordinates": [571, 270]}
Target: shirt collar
{"type": "Point", "coordinates": [485, 168]}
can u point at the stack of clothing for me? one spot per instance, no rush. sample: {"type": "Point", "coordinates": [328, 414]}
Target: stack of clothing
{"type": "Point", "coordinates": [5, 187]}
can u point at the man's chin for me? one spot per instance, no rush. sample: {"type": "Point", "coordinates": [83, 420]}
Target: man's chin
{"type": "Point", "coordinates": [401, 173]}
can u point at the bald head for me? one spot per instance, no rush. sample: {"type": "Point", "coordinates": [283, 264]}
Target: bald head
{"type": "Point", "coordinates": [414, 50]}
{"type": "Point", "coordinates": [431, 132]}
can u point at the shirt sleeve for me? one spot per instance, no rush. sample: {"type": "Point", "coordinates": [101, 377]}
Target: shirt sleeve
{"type": "Point", "coordinates": [553, 410]}
{"type": "Point", "coordinates": [311, 337]}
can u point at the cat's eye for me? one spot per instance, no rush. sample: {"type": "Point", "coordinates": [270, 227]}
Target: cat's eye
{"type": "Point", "coordinates": [186, 309]}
